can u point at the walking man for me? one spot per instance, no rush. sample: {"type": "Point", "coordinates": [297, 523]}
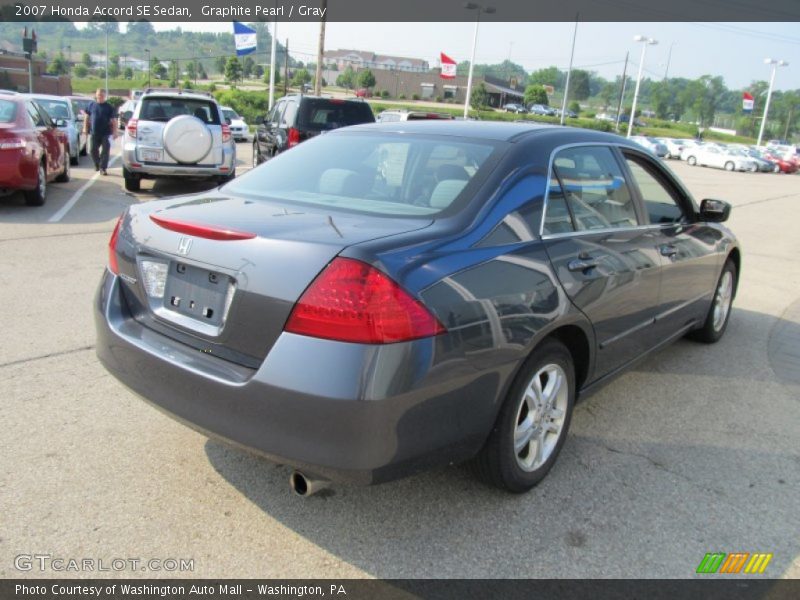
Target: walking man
{"type": "Point", "coordinates": [102, 125]}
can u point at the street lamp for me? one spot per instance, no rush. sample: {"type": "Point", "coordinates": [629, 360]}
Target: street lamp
{"type": "Point", "coordinates": [646, 41]}
{"type": "Point", "coordinates": [147, 50]}
{"type": "Point", "coordinates": [480, 9]}
{"type": "Point", "coordinates": [775, 64]}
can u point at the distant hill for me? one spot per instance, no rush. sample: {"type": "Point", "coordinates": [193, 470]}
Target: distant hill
{"type": "Point", "coordinates": [165, 45]}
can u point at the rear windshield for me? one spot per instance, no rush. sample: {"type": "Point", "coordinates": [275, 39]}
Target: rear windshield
{"type": "Point", "coordinates": [57, 109]}
{"type": "Point", "coordinates": [164, 109]}
{"type": "Point", "coordinates": [383, 174]}
{"type": "Point", "coordinates": [230, 114]}
{"type": "Point", "coordinates": [80, 105]}
{"type": "Point", "coordinates": [8, 111]}
{"type": "Point", "coordinates": [321, 114]}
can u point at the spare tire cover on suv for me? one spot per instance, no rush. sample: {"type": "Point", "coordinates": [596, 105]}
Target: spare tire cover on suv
{"type": "Point", "coordinates": [187, 139]}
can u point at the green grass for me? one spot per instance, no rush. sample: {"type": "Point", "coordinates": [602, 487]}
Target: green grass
{"type": "Point", "coordinates": [88, 85]}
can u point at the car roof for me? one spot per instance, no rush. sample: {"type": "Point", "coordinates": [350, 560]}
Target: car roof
{"type": "Point", "coordinates": [489, 130]}
{"type": "Point", "coordinates": [187, 95]}
{"type": "Point", "coordinates": [45, 96]}
{"type": "Point", "coordinates": [328, 98]}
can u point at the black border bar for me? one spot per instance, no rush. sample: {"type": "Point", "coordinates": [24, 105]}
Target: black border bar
{"type": "Point", "coordinates": [403, 10]}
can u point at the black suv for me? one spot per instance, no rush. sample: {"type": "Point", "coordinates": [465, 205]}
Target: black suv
{"type": "Point", "coordinates": [296, 118]}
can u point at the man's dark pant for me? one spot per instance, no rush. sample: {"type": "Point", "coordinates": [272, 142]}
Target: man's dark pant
{"type": "Point", "coordinates": [100, 150]}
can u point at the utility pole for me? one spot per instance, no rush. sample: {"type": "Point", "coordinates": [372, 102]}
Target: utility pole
{"type": "Point", "coordinates": [569, 72]}
{"type": "Point", "coordinates": [622, 91]}
{"type": "Point", "coordinates": [29, 47]}
{"type": "Point", "coordinates": [286, 69]}
{"type": "Point", "coordinates": [272, 64]}
{"type": "Point", "coordinates": [320, 50]}
{"type": "Point", "coordinates": [107, 25]}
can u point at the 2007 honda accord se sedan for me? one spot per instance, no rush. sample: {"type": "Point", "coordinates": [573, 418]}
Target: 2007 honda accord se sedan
{"type": "Point", "coordinates": [391, 297]}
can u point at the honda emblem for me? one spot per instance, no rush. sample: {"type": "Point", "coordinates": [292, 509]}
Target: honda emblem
{"type": "Point", "coordinates": [184, 246]}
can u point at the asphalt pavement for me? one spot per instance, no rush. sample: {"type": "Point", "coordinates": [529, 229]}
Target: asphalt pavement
{"type": "Point", "coordinates": [696, 450]}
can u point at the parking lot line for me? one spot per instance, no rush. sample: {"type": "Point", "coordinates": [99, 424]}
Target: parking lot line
{"type": "Point", "coordinates": [77, 195]}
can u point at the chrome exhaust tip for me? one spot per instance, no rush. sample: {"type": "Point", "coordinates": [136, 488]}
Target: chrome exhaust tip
{"type": "Point", "coordinates": [305, 486]}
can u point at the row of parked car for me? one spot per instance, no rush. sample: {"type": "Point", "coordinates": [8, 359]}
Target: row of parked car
{"type": "Point", "coordinates": [537, 109]}
{"type": "Point", "coordinates": [41, 136]}
{"type": "Point", "coordinates": [731, 157]}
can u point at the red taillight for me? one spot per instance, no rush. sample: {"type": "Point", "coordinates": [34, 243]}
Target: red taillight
{"type": "Point", "coordinates": [351, 301]}
{"type": "Point", "coordinates": [113, 266]}
{"type": "Point", "coordinates": [226, 133]}
{"type": "Point", "coordinates": [294, 137]}
{"type": "Point", "coordinates": [131, 127]}
{"type": "Point", "coordinates": [211, 232]}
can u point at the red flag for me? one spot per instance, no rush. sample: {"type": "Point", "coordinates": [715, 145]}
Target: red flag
{"type": "Point", "coordinates": [448, 67]}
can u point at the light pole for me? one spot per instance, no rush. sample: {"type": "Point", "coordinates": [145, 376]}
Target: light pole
{"type": "Point", "coordinates": [480, 9]}
{"type": "Point", "coordinates": [107, 26]}
{"type": "Point", "coordinates": [775, 64]}
{"type": "Point", "coordinates": [646, 41]}
{"type": "Point", "coordinates": [569, 72]}
{"type": "Point", "coordinates": [147, 50]}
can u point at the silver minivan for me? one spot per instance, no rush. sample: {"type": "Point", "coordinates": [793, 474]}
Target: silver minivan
{"type": "Point", "coordinates": [176, 134]}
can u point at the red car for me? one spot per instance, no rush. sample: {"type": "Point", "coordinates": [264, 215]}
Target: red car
{"type": "Point", "coordinates": [787, 165]}
{"type": "Point", "coordinates": [33, 151]}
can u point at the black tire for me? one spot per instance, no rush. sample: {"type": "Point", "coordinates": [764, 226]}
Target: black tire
{"type": "Point", "coordinates": [256, 156]}
{"type": "Point", "coordinates": [498, 463]}
{"type": "Point", "coordinates": [729, 166]}
{"type": "Point", "coordinates": [64, 177]}
{"type": "Point", "coordinates": [74, 160]}
{"type": "Point", "coordinates": [133, 183]}
{"type": "Point", "coordinates": [38, 195]}
{"type": "Point", "coordinates": [712, 329]}
{"type": "Point", "coordinates": [85, 150]}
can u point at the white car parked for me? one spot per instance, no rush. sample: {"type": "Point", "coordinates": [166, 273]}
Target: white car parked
{"type": "Point", "coordinates": [674, 147]}
{"type": "Point", "coordinates": [239, 129]}
{"type": "Point", "coordinates": [714, 156]}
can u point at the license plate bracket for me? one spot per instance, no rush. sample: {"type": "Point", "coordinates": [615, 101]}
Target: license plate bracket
{"type": "Point", "coordinates": [151, 155]}
{"type": "Point", "coordinates": [197, 293]}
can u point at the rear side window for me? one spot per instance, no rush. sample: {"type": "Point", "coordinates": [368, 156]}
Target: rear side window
{"type": "Point", "coordinates": [164, 109]}
{"type": "Point", "coordinates": [33, 113]}
{"type": "Point", "coordinates": [8, 111]}
{"type": "Point", "coordinates": [57, 109]}
{"type": "Point", "coordinates": [588, 182]}
{"type": "Point", "coordinates": [321, 114]}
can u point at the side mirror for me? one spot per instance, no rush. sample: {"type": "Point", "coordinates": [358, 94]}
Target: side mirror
{"type": "Point", "coordinates": [126, 116]}
{"type": "Point", "coordinates": [714, 211]}
{"type": "Point", "coordinates": [79, 118]}
{"type": "Point", "coordinates": [60, 122]}
{"type": "Point", "coordinates": [259, 120]}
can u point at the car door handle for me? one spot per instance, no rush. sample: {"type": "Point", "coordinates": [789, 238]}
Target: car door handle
{"type": "Point", "coordinates": [582, 264]}
{"type": "Point", "coordinates": [668, 250]}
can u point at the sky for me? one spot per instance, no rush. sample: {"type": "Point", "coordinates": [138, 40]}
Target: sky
{"type": "Point", "coordinates": [734, 50]}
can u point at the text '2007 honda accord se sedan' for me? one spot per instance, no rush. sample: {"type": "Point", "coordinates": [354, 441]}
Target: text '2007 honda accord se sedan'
{"type": "Point", "coordinates": [387, 298]}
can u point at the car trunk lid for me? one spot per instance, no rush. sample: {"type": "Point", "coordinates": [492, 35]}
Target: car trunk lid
{"type": "Point", "coordinates": [222, 274]}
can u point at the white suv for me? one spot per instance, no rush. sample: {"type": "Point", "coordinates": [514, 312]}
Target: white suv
{"type": "Point", "coordinates": [177, 134]}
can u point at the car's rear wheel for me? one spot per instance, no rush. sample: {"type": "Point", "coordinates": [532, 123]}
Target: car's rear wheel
{"type": "Point", "coordinates": [692, 161]}
{"type": "Point", "coordinates": [720, 311]}
{"type": "Point", "coordinates": [85, 150]}
{"type": "Point", "coordinates": [533, 421]}
{"type": "Point", "coordinates": [37, 195]}
{"type": "Point", "coordinates": [776, 169]}
{"type": "Point", "coordinates": [64, 177]}
{"type": "Point", "coordinates": [133, 183]}
{"type": "Point", "coordinates": [74, 160]}
{"type": "Point", "coordinates": [729, 166]}
{"type": "Point", "coordinates": [256, 156]}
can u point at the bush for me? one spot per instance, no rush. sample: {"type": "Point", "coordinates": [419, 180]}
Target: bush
{"type": "Point", "coordinates": [589, 115]}
{"type": "Point", "coordinates": [116, 101]}
{"type": "Point", "coordinates": [384, 93]}
{"type": "Point", "coordinates": [248, 104]}
{"type": "Point", "coordinates": [415, 96]}
{"type": "Point", "coordinates": [402, 97]}
{"type": "Point", "coordinates": [437, 99]}
{"type": "Point", "coordinates": [575, 107]}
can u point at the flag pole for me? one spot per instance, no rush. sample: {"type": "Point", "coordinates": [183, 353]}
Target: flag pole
{"type": "Point", "coordinates": [272, 64]}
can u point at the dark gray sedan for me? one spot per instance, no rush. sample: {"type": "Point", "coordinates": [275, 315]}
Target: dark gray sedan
{"type": "Point", "coordinates": [387, 298]}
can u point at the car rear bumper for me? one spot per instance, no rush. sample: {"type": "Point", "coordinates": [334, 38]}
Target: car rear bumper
{"type": "Point", "coordinates": [346, 412]}
{"type": "Point", "coordinates": [133, 165]}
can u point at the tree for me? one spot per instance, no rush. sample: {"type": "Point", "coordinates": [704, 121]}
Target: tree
{"type": "Point", "coordinates": [233, 69]}
{"type": "Point", "coordinates": [87, 60]}
{"type": "Point", "coordinates": [366, 79]}
{"type": "Point", "coordinates": [607, 94]}
{"type": "Point", "coordinates": [80, 70]}
{"type": "Point", "coordinates": [248, 64]}
{"type": "Point", "coordinates": [113, 66]}
{"type": "Point", "coordinates": [158, 69]}
{"type": "Point", "coordinates": [346, 78]}
{"type": "Point", "coordinates": [535, 94]}
{"type": "Point", "coordinates": [219, 64]}
{"type": "Point", "coordinates": [59, 65]}
{"type": "Point", "coordinates": [258, 72]}
{"type": "Point", "coordinates": [579, 87]}
{"type": "Point", "coordinates": [127, 73]}
{"type": "Point", "coordinates": [549, 76]}
{"type": "Point", "coordinates": [575, 107]}
{"type": "Point", "coordinates": [191, 69]}
{"type": "Point", "coordinates": [480, 97]}
{"type": "Point", "coordinates": [301, 77]}
{"type": "Point", "coordinates": [141, 29]}
{"type": "Point", "coordinates": [277, 76]}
